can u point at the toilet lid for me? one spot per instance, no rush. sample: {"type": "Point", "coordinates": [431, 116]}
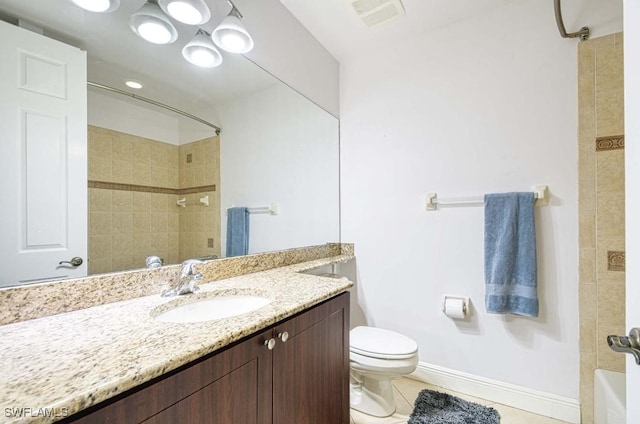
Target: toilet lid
{"type": "Point", "coordinates": [381, 343]}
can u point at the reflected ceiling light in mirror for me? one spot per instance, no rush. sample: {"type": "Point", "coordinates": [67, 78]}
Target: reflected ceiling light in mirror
{"type": "Point", "coordinates": [133, 84]}
{"type": "Point", "coordinates": [190, 12]}
{"type": "Point", "coordinates": [150, 23]}
{"type": "Point", "coordinates": [200, 51]}
{"type": "Point", "coordinates": [231, 35]}
{"type": "Point", "coordinates": [100, 6]}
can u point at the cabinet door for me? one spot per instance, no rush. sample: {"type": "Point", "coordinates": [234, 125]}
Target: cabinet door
{"type": "Point", "coordinates": [230, 387]}
{"type": "Point", "coordinates": [311, 368]}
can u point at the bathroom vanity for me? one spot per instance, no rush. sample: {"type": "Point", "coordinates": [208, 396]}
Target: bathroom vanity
{"type": "Point", "coordinates": [285, 362]}
{"type": "Point", "coordinates": [296, 371]}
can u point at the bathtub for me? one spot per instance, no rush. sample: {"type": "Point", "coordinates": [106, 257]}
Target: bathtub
{"type": "Point", "coordinates": [609, 397]}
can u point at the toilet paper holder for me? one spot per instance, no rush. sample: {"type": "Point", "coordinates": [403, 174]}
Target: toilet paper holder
{"type": "Point", "coordinates": [465, 304]}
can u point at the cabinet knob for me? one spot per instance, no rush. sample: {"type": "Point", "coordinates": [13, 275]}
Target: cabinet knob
{"type": "Point", "coordinates": [283, 336]}
{"type": "Point", "coordinates": [270, 344]}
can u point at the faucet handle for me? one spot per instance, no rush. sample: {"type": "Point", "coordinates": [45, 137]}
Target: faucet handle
{"type": "Point", "coordinates": [193, 283]}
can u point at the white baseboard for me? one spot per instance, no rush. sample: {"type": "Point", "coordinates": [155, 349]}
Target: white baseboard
{"type": "Point", "coordinates": [541, 403]}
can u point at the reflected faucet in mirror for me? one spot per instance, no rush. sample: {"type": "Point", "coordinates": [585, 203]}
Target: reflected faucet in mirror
{"type": "Point", "coordinates": [154, 262]}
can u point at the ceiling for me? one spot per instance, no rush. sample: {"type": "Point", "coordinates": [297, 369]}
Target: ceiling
{"type": "Point", "coordinates": [115, 54]}
{"type": "Point", "coordinates": [335, 24]}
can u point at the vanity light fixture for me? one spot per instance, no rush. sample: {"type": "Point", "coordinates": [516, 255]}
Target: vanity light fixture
{"type": "Point", "coordinates": [151, 23]}
{"type": "Point", "coordinates": [231, 35]}
{"type": "Point", "coordinates": [201, 52]}
{"type": "Point", "coordinates": [190, 12]}
{"type": "Point", "coordinates": [133, 84]}
{"type": "Point", "coordinates": [100, 6]}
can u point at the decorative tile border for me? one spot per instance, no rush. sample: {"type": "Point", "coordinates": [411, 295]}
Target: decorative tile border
{"type": "Point", "coordinates": [609, 143]}
{"type": "Point", "coordinates": [150, 189]}
{"type": "Point", "coordinates": [615, 260]}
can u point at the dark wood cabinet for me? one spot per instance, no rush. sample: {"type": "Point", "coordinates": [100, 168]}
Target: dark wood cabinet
{"type": "Point", "coordinates": [303, 379]}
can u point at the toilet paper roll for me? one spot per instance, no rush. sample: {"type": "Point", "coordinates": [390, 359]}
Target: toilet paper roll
{"type": "Point", "coordinates": [455, 307]}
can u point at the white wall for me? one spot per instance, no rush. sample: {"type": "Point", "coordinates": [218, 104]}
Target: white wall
{"type": "Point", "coordinates": [288, 51]}
{"type": "Point", "coordinates": [484, 105]}
{"type": "Point", "coordinates": [279, 147]}
{"type": "Point", "coordinates": [632, 182]}
{"type": "Point", "coordinates": [121, 113]}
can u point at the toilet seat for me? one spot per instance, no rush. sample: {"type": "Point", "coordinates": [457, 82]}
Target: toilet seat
{"type": "Point", "coordinates": [381, 344]}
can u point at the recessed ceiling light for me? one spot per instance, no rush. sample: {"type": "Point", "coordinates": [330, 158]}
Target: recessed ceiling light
{"type": "Point", "coordinates": [134, 84]}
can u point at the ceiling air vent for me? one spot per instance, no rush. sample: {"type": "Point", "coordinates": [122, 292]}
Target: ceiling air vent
{"type": "Point", "coordinates": [375, 12]}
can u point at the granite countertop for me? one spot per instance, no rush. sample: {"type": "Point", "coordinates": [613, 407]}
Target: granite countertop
{"type": "Point", "coordinates": [64, 363]}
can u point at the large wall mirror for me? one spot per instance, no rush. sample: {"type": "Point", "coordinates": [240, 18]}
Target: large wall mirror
{"type": "Point", "coordinates": [159, 183]}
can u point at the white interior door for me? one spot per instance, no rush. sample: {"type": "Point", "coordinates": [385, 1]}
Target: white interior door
{"type": "Point", "coordinates": [632, 184]}
{"type": "Point", "coordinates": [43, 157]}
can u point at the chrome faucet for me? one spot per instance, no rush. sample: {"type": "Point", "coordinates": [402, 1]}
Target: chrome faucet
{"type": "Point", "coordinates": [188, 280]}
{"type": "Point", "coordinates": [629, 344]}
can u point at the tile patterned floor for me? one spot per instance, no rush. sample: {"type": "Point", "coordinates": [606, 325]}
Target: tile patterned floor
{"type": "Point", "coordinates": [407, 391]}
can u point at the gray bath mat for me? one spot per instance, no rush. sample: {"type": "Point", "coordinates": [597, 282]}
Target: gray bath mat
{"type": "Point", "coordinates": [433, 407]}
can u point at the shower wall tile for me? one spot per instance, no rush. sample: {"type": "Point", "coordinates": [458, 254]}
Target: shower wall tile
{"type": "Point", "coordinates": [587, 269]}
{"type": "Point", "coordinates": [587, 224]}
{"type": "Point", "coordinates": [100, 246]}
{"type": "Point", "coordinates": [611, 304]}
{"type": "Point", "coordinates": [122, 222]}
{"type": "Point", "coordinates": [611, 216]}
{"type": "Point", "coordinates": [586, 195]}
{"type": "Point", "coordinates": [587, 368]}
{"type": "Point", "coordinates": [141, 201]}
{"type": "Point", "coordinates": [610, 112]}
{"type": "Point", "coordinates": [606, 358]}
{"type": "Point", "coordinates": [122, 243]}
{"type": "Point", "coordinates": [122, 148]}
{"type": "Point", "coordinates": [610, 171]}
{"type": "Point", "coordinates": [100, 169]}
{"type": "Point", "coordinates": [122, 200]}
{"type": "Point", "coordinates": [609, 69]}
{"type": "Point", "coordinates": [601, 207]}
{"type": "Point", "coordinates": [100, 223]}
{"type": "Point", "coordinates": [127, 223]}
{"type": "Point", "coordinates": [100, 200]}
{"type": "Point", "coordinates": [603, 274]}
{"type": "Point", "coordinates": [616, 260]}
{"type": "Point", "coordinates": [142, 175]}
{"type": "Point", "coordinates": [122, 171]}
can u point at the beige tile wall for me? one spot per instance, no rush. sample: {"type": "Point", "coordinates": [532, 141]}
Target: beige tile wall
{"type": "Point", "coordinates": [200, 225]}
{"type": "Point", "coordinates": [601, 208]}
{"type": "Point", "coordinates": [126, 225]}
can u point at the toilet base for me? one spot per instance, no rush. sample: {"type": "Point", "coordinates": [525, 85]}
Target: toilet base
{"type": "Point", "coordinates": [372, 395]}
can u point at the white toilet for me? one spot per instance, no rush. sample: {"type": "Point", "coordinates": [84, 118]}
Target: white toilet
{"type": "Point", "coordinates": [378, 356]}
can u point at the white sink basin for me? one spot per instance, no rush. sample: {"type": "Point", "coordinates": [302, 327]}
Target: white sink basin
{"type": "Point", "coordinates": [213, 308]}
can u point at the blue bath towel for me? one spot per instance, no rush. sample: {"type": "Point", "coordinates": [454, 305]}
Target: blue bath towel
{"type": "Point", "coordinates": [237, 231]}
{"type": "Point", "coordinates": [510, 267]}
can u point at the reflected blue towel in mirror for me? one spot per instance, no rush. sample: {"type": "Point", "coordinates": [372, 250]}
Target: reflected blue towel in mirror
{"type": "Point", "coordinates": [237, 231]}
{"type": "Point", "coordinates": [510, 265]}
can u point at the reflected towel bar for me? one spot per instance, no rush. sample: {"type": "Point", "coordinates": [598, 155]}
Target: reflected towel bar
{"type": "Point", "coordinates": [433, 203]}
{"type": "Point", "coordinates": [271, 209]}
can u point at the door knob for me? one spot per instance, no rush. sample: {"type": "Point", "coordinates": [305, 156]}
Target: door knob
{"type": "Point", "coordinates": [77, 261]}
{"type": "Point", "coordinates": [630, 344]}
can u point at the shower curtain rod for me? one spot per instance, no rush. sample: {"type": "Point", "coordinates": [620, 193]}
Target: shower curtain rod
{"type": "Point", "coordinates": [583, 33]}
{"type": "Point", "coordinates": [155, 103]}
